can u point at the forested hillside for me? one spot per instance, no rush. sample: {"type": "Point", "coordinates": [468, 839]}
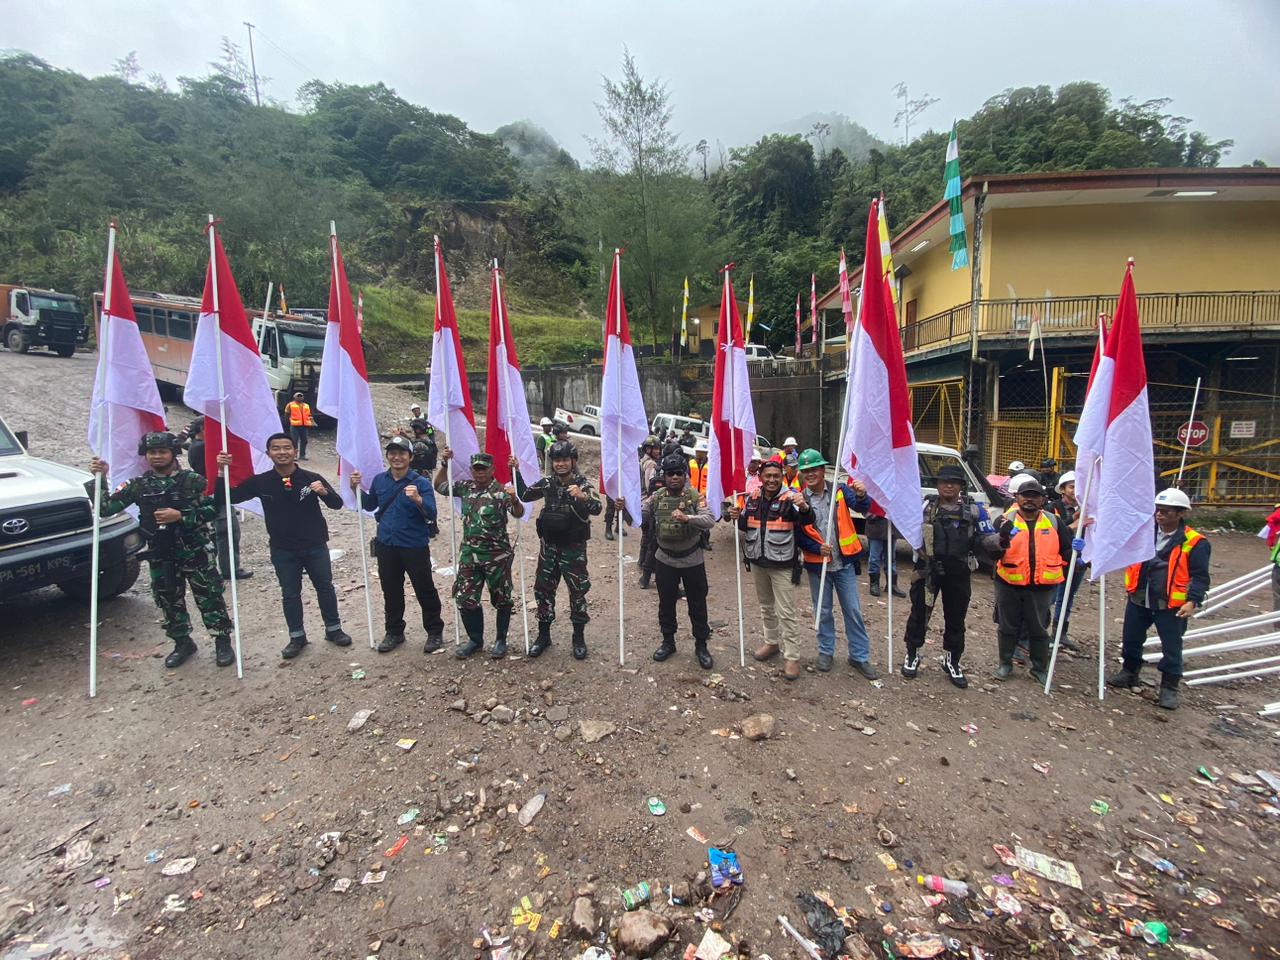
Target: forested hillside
{"type": "Point", "coordinates": [80, 151]}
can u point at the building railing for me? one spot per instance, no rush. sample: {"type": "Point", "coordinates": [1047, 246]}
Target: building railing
{"type": "Point", "coordinates": [1073, 316]}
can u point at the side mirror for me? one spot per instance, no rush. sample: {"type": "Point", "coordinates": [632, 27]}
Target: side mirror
{"type": "Point", "coordinates": [22, 439]}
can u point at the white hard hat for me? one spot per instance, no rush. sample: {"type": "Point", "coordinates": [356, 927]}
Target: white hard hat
{"type": "Point", "coordinates": [415, 406]}
{"type": "Point", "coordinates": [1016, 481]}
{"type": "Point", "coordinates": [700, 445]}
{"type": "Point", "coordinates": [790, 442]}
{"type": "Point", "coordinates": [1068, 477]}
{"type": "Point", "coordinates": [544, 422]}
{"type": "Point", "coordinates": [1017, 466]}
{"type": "Point", "coordinates": [1173, 497]}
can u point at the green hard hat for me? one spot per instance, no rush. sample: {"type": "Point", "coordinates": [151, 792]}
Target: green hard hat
{"type": "Point", "coordinates": [811, 458]}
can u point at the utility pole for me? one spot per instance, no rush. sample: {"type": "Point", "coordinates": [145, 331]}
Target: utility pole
{"type": "Point", "coordinates": [253, 65]}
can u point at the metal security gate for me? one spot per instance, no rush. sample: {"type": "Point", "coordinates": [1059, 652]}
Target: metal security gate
{"type": "Point", "coordinates": [937, 411]}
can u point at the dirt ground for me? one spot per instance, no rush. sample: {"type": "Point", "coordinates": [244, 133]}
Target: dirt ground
{"type": "Point", "coordinates": [861, 785]}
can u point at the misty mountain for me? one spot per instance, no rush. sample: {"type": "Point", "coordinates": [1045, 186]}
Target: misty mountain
{"type": "Point", "coordinates": [855, 140]}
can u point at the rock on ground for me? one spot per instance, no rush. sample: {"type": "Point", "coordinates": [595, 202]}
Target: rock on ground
{"type": "Point", "coordinates": [642, 932]}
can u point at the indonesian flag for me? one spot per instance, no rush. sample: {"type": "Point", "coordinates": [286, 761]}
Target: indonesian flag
{"type": "Point", "coordinates": [1114, 440]}
{"type": "Point", "coordinates": [344, 385]}
{"type": "Point", "coordinates": [623, 424]}
{"type": "Point", "coordinates": [250, 408]}
{"type": "Point", "coordinates": [879, 446]}
{"type": "Point", "coordinates": [126, 403]}
{"type": "Point", "coordinates": [813, 307]}
{"type": "Point", "coordinates": [846, 297]}
{"type": "Point", "coordinates": [449, 400]}
{"type": "Point", "coordinates": [507, 429]}
{"type": "Point", "coordinates": [797, 325]}
{"type": "Point", "coordinates": [733, 421]}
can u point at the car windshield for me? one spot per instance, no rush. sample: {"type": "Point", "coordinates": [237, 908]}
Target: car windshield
{"type": "Point", "coordinates": [303, 345]}
{"type": "Point", "coordinates": [8, 443]}
{"type": "Point", "coordinates": [40, 301]}
{"type": "Point", "coordinates": [931, 463]}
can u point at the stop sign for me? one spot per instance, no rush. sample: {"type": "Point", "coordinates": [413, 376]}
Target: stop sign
{"type": "Point", "coordinates": [1193, 433]}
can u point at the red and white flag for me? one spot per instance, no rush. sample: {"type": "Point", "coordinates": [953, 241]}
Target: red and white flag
{"type": "Point", "coordinates": [623, 424]}
{"type": "Point", "coordinates": [733, 421]}
{"type": "Point", "coordinates": [798, 346]}
{"type": "Point", "coordinates": [250, 408]}
{"type": "Point", "coordinates": [344, 385]}
{"type": "Point", "coordinates": [846, 297]}
{"type": "Point", "coordinates": [126, 403]}
{"type": "Point", "coordinates": [449, 399]}
{"type": "Point", "coordinates": [507, 429]}
{"type": "Point", "coordinates": [1115, 429]}
{"type": "Point", "coordinates": [813, 308]}
{"type": "Point", "coordinates": [879, 445]}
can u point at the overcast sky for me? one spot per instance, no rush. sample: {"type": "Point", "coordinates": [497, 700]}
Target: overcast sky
{"type": "Point", "coordinates": [735, 70]}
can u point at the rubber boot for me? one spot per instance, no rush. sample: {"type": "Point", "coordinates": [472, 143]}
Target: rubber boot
{"type": "Point", "coordinates": [542, 641]}
{"type": "Point", "coordinates": [1169, 692]}
{"type": "Point", "coordinates": [874, 580]}
{"type": "Point", "coordinates": [500, 634]}
{"type": "Point", "coordinates": [893, 585]}
{"type": "Point", "coordinates": [182, 652]}
{"type": "Point", "coordinates": [667, 649]}
{"type": "Point", "coordinates": [645, 576]}
{"type": "Point", "coordinates": [473, 623]}
{"type": "Point", "coordinates": [1039, 659]}
{"type": "Point", "coordinates": [1126, 676]}
{"type": "Point", "coordinates": [1006, 647]}
{"type": "Point", "coordinates": [223, 655]}
{"type": "Point", "coordinates": [703, 655]}
{"type": "Point", "coordinates": [579, 641]}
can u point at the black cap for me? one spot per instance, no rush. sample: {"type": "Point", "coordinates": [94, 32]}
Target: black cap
{"type": "Point", "coordinates": [675, 463]}
{"type": "Point", "coordinates": [418, 423]}
{"type": "Point", "coordinates": [484, 460]}
{"type": "Point", "coordinates": [951, 472]}
{"type": "Point", "coordinates": [1031, 486]}
{"type": "Point", "coordinates": [399, 443]}
{"type": "Point", "coordinates": [559, 427]}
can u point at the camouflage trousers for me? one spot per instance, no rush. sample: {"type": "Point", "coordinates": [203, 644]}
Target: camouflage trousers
{"type": "Point", "coordinates": [567, 560]}
{"type": "Point", "coordinates": [472, 578]}
{"type": "Point", "coordinates": [169, 581]}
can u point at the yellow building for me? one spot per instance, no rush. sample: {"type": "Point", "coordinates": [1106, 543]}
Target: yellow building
{"type": "Point", "coordinates": [1048, 254]}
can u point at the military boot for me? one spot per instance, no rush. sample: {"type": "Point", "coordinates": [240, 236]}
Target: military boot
{"type": "Point", "coordinates": [223, 655]}
{"type": "Point", "coordinates": [543, 639]}
{"type": "Point", "coordinates": [579, 641]}
{"type": "Point", "coordinates": [1126, 676]}
{"type": "Point", "coordinates": [667, 649]}
{"type": "Point", "coordinates": [182, 651]}
{"type": "Point", "coordinates": [473, 623]}
{"type": "Point", "coordinates": [1039, 659]}
{"type": "Point", "coordinates": [1169, 692]}
{"type": "Point", "coordinates": [893, 585]}
{"type": "Point", "coordinates": [1006, 648]}
{"type": "Point", "coordinates": [703, 655]}
{"type": "Point", "coordinates": [874, 584]}
{"type": "Point", "coordinates": [500, 634]}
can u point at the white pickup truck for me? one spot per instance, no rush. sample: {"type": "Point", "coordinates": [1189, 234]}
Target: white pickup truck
{"type": "Point", "coordinates": [587, 422]}
{"type": "Point", "coordinates": [46, 529]}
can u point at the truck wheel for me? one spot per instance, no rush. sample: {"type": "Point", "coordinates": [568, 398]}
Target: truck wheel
{"type": "Point", "coordinates": [15, 340]}
{"type": "Point", "coordinates": [65, 349]}
{"type": "Point", "coordinates": [588, 431]}
{"type": "Point", "coordinates": [111, 583]}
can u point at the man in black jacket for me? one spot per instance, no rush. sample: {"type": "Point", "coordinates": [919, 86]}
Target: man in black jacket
{"type": "Point", "coordinates": [299, 537]}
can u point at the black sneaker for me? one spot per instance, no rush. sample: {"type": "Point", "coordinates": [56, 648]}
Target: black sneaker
{"type": "Point", "coordinates": [338, 638]}
{"type": "Point", "coordinates": [293, 648]}
{"type": "Point", "coordinates": [390, 641]}
{"type": "Point", "coordinates": [911, 665]}
{"type": "Point", "coordinates": [434, 642]}
{"type": "Point", "coordinates": [951, 667]}
{"type": "Point", "coordinates": [182, 652]}
{"type": "Point", "coordinates": [223, 655]}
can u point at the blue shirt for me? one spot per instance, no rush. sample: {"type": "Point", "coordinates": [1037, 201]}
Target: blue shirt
{"type": "Point", "coordinates": [401, 522]}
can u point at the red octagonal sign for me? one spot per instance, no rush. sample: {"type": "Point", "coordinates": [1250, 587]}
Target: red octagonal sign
{"type": "Point", "coordinates": [1194, 433]}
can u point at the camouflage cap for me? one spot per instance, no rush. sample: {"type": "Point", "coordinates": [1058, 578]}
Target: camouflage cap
{"type": "Point", "coordinates": [482, 460]}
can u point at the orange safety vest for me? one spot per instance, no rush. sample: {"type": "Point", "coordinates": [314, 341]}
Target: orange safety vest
{"type": "Point", "coordinates": [1179, 571]}
{"type": "Point", "coordinates": [795, 483]}
{"type": "Point", "coordinates": [846, 533]}
{"type": "Point", "coordinates": [299, 414]}
{"type": "Point", "coordinates": [1014, 568]}
{"type": "Point", "coordinates": [698, 475]}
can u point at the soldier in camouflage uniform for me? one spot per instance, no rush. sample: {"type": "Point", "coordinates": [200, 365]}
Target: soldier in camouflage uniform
{"type": "Point", "coordinates": [486, 553]}
{"type": "Point", "coordinates": [564, 525]}
{"type": "Point", "coordinates": [176, 517]}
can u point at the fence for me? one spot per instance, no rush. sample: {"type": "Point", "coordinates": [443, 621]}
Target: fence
{"type": "Point", "coordinates": [937, 411]}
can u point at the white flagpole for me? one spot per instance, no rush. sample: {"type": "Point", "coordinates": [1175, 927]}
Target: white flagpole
{"type": "Point", "coordinates": [733, 472]}
{"type": "Point", "coordinates": [888, 572]}
{"type": "Point", "coordinates": [1186, 441]}
{"type": "Point", "coordinates": [1102, 636]}
{"type": "Point", "coordinates": [506, 402]}
{"type": "Point", "coordinates": [101, 377]}
{"type": "Point", "coordinates": [222, 422]}
{"type": "Point", "coordinates": [617, 266]}
{"type": "Point", "coordinates": [1071, 573]}
{"type": "Point", "coordinates": [844, 417]}
{"type": "Point", "coordinates": [448, 466]}
{"type": "Point", "coordinates": [364, 544]}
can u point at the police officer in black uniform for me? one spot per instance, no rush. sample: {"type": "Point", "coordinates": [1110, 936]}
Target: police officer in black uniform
{"type": "Point", "coordinates": [425, 449]}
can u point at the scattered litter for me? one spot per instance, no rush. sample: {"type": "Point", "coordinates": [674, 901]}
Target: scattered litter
{"type": "Point", "coordinates": [358, 674]}
{"type": "Point", "coordinates": [1207, 775]}
{"type": "Point", "coordinates": [30, 702]}
{"type": "Point", "coordinates": [637, 896]}
{"type": "Point", "coordinates": [373, 876]}
{"type": "Point", "coordinates": [396, 847]}
{"type": "Point", "coordinates": [358, 720]}
{"type": "Point", "coordinates": [101, 882]}
{"type": "Point", "coordinates": [1186, 818]}
{"type": "Point", "coordinates": [1042, 865]}
{"type": "Point", "coordinates": [408, 816]}
{"type": "Point", "coordinates": [266, 899]}
{"type": "Point", "coordinates": [970, 728]}
{"type": "Point", "coordinates": [1222, 922]}
{"type": "Point", "coordinates": [1207, 896]}
{"type": "Point", "coordinates": [1042, 766]}
{"type": "Point", "coordinates": [920, 945]}
{"type": "Point", "coordinates": [406, 744]}
{"type": "Point", "coordinates": [824, 924]}
{"type": "Point", "coordinates": [956, 888]}
{"type": "Point", "coordinates": [1100, 808]}
{"type": "Point", "coordinates": [173, 904]}
{"type": "Point", "coordinates": [1159, 863]}
{"type": "Point", "coordinates": [531, 809]}
{"type": "Point", "coordinates": [179, 867]}
{"type": "Point", "coordinates": [656, 807]}
{"type": "Point", "coordinates": [807, 945]}
{"type": "Point", "coordinates": [1003, 879]}
{"type": "Point", "coordinates": [60, 790]}
{"type": "Point", "coordinates": [697, 835]}
{"type": "Point", "coordinates": [724, 867]}
{"type": "Point", "coordinates": [887, 837]}
{"type": "Point", "coordinates": [887, 860]}
{"type": "Point", "coordinates": [712, 947]}
{"type": "Point", "coordinates": [342, 885]}
{"type": "Point", "coordinates": [154, 856]}
{"type": "Point", "coordinates": [1008, 903]}
{"type": "Point", "coordinates": [1005, 854]}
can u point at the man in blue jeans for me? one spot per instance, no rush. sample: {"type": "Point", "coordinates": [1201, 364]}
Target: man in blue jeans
{"type": "Point", "coordinates": [838, 556]}
{"type": "Point", "coordinates": [299, 537]}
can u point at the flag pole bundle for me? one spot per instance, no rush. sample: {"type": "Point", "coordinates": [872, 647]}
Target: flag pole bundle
{"type": "Point", "coordinates": [126, 405]}
{"type": "Point", "coordinates": [623, 423]}
{"type": "Point", "coordinates": [878, 447]}
{"type": "Point", "coordinates": [449, 400]}
{"type": "Point", "coordinates": [733, 427]}
{"type": "Point", "coordinates": [1114, 438]}
{"type": "Point", "coordinates": [344, 395]}
{"type": "Point", "coordinates": [507, 429]}
{"type": "Point", "coordinates": [239, 410]}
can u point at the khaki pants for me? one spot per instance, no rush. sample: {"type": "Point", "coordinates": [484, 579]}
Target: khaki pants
{"type": "Point", "coordinates": [776, 594]}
